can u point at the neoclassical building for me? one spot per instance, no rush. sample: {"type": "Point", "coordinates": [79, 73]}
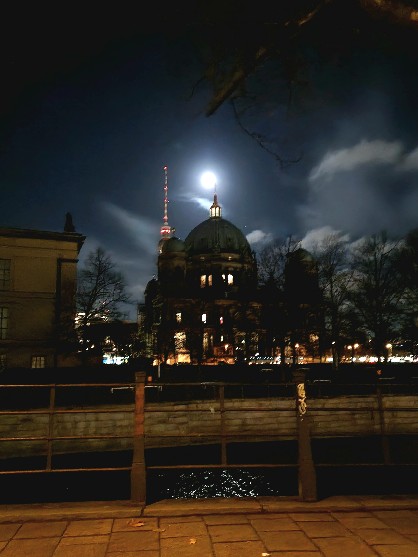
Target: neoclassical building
{"type": "Point", "coordinates": [38, 279]}
{"type": "Point", "coordinates": [206, 306]}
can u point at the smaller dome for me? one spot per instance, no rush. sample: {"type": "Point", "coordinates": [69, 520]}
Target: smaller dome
{"type": "Point", "coordinates": [172, 245]}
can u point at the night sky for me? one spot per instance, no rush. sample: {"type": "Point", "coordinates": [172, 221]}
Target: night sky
{"type": "Point", "coordinates": [92, 110]}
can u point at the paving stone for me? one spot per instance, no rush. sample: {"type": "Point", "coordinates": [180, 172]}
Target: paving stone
{"type": "Point", "coordinates": [40, 547]}
{"type": "Point", "coordinates": [85, 540]}
{"type": "Point", "coordinates": [89, 550]}
{"type": "Point", "coordinates": [311, 517]}
{"type": "Point", "coordinates": [396, 550]}
{"type": "Point", "coordinates": [198, 546]}
{"type": "Point", "coordinates": [344, 547]}
{"type": "Point", "coordinates": [7, 531]}
{"type": "Point", "coordinates": [357, 522]}
{"type": "Point", "coordinates": [177, 519]}
{"type": "Point", "coordinates": [183, 529]}
{"type": "Point", "coordinates": [89, 527]}
{"type": "Point", "coordinates": [133, 541]}
{"type": "Point", "coordinates": [238, 549]}
{"type": "Point", "coordinates": [232, 532]}
{"type": "Point", "coordinates": [139, 553]}
{"type": "Point", "coordinates": [404, 525]}
{"type": "Point", "coordinates": [128, 524]}
{"type": "Point", "coordinates": [324, 529]}
{"type": "Point", "coordinates": [382, 536]}
{"type": "Point", "coordinates": [43, 530]}
{"type": "Point", "coordinates": [227, 519]}
{"type": "Point", "coordinates": [285, 541]}
{"type": "Point", "coordinates": [266, 525]}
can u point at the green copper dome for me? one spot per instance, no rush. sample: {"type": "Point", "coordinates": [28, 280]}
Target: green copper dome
{"type": "Point", "coordinates": [216, 235]}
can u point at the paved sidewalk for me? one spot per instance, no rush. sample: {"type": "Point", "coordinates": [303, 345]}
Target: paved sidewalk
{"type": "Point", "coordinates": [238, 527]}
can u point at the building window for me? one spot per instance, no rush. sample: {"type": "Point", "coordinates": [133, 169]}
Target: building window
{"type": "Point", "coordinates": [178, 317]}
{"type": "Point", "coordinates": [179, 341]}
{"type": "Point", "coordinates": [5, 274]}
{"type": "Point", "coordinates": [205, 280]}
{"type": "Point", "coordinates": [221, 321]}
{"type": "Point", "coordinates": [38, 361]}
{"type": "Point", "coordinates": [229, 279]}
{"type": "Point", "coordinates": [204, 317]}
{"type": "Point", "coordinates": [3, 361]}
{"type": "Point", "coordinates": [4, 322]}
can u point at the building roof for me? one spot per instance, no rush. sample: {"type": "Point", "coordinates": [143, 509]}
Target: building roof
{"type": "Point", "coordinates": [216, 235]}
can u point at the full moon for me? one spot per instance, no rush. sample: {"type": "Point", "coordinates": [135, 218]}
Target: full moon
{"type": "Point", "coordinates": [208, 180]}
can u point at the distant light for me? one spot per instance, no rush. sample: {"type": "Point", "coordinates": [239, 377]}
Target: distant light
{"type": "Point", "coordinates": [208, 180]}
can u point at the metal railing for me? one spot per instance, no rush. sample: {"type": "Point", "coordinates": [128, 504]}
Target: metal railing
{"type": "Point", "coordinates": [139, 400]}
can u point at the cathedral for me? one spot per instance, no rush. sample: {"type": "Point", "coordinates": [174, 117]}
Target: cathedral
{"type": "Point", "coordinates": [205, 306]}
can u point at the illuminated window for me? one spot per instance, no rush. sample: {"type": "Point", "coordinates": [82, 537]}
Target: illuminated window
{"type": "Point", "coordinates": [202, 281]}
{"type": "Point", "coordinates": [178, 317]}
{"type": "Point", "coordinates": [180, 340]}
{"type": "Point", "coordinates": [209, 280]}
{"type": "Point", "coordinates": [205, 342]}
{"type": "Point", "coordinates": [203, 317]}
{"type": "Point", "coordinates": [229, 279]}
{"type": "Point", "coordinates": [5, 274]}
{"type": "Point", "coordinates": [221, 320]}
{"type": "Point", "coordinates": [38, 361]}
{"type": "Point", "coordinates": [4, 322]}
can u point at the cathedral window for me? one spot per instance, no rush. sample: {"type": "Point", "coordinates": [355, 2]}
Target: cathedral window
{"type": "Point", "coordinates": [205, 280]}
{"type": "Point", "coordinates": [180, 340]}
{"type": "Point", "coordinates": [229, 278]}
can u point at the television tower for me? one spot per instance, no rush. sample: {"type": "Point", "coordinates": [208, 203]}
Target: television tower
{"type": "Point", "coordinates": [166, 229]}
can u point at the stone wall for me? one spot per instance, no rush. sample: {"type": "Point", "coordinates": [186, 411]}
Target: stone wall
{"type": "Point", "coordinates": [200, 422]}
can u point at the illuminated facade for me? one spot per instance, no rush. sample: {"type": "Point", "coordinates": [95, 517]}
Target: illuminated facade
{"type": "Point", "coordinates": [203, 307]}
{"type": "Point", "coordinates": [38, 277]}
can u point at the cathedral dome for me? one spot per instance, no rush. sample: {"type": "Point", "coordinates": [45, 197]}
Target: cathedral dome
{"type": "Point", "coordinates": [216, 235]}
{"type": "Point", "coordinates": [172, 245]}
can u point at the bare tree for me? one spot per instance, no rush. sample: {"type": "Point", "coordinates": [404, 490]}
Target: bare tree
{"type": "Point", "coordinates": [101, 291]}
{"type": "Point", "coordinates": [334, 281]}
{"type": "Point", "coordinates": [378, 293]}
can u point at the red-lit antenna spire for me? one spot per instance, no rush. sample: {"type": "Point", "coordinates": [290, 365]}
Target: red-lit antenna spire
{"type": "Point", "coordinates": [166, 230]}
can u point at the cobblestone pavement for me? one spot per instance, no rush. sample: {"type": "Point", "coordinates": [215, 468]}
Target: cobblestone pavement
{"type": "Point", "coordinates": [335, 527]}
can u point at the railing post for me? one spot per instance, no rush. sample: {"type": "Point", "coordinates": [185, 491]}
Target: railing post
{"type": "Point", "coordinates": [51, 412]}
{"type": "Point", "coordinates": [138, 471]}
{"type": "Point", "coordinates": [223, 432]}
{"type": "Point", "coordinates": [383, 435]}
{"type": "Point", "coordinates": [306, 468]}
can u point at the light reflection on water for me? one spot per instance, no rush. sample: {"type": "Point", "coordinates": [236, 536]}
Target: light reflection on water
{"type": "Point", "coordinates": [219, 483]}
